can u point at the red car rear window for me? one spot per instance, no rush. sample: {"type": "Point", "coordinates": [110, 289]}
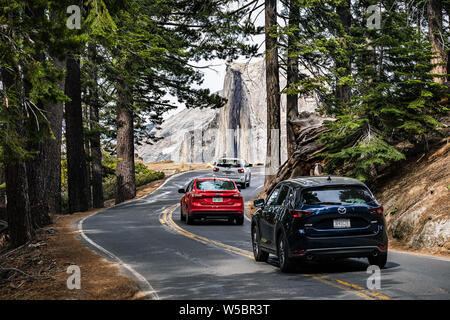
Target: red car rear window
{"type": "Point", "coordinates": [215, 185]}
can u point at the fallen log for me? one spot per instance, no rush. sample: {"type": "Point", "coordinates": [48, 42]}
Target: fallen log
{"type": "Point", "coordinates": [305, 159]}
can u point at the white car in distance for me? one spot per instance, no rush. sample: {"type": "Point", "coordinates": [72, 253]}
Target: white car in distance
{"type": "Point", "coordinates": [236, 169]}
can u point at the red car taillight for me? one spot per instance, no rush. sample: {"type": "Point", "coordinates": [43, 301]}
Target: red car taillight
{"type": "Point", "coordinates": [300, 213]}
{"type": "Point", "coordinates": [237, 195]}
{"type": "Point", "coordinates": [215, 169]}
{"type": "Point", "coordinates": [378, 210]}
{"type": "Point", "coordinates": [196, 195]}
{"type": "Point", "coordinates": [241, 170]}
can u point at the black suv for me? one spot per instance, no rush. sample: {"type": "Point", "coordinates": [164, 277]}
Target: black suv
{"type": "Point", "coordinates": [314, 217]}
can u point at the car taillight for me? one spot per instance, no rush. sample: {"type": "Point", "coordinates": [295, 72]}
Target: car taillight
{"type": "Point", "coordinates": [378, 210]}
{"type": "Point", "coordinates": [237, 195]}
{"type": "Point", "coordinates": [216, 169]}
{"type": "Point", "coordinates": [300, 213]}
{"type": "Point", "coordinates": [196, 195]}
{"type": "Point", "coordinates": [241, 170]}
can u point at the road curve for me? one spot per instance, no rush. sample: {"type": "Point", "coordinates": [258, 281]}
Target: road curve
{"type": "Point", "coordinates": [213, 260]}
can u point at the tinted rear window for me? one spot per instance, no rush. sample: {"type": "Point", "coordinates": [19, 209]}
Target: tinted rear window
{"type": "Point", "coordinates": [229, 163]}
{"type": "Point", "coordinates": [215, 185]}
{"type": "Point", "coordinates": [337, 195]}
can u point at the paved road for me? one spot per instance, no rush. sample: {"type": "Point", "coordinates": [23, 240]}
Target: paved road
{"type": "Point", "coordinates": [213, 260]}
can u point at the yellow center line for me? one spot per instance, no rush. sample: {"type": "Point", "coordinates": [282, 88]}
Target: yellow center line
{"type": "Point", "coordinates": [166, 219]}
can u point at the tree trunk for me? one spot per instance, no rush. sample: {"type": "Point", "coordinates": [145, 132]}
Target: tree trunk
{"type": "Point", "coordinates": [52, 151]}
{"type": "Point", "coordinates": [96, 151]}
{"type": "Point", "coordinates": [439, 59]}
{"type": "Point", "coordinates": [126, 185]}
{"type": "Point", "coordinates": [292, 78]}
{"type": "Point", "coordinates": [18, 207]}
{"type": "Point", "coordinates": [273, 155]}
{"type": "Point", "coordinates": [307, 150]}
{"type": "Point", "coordinates": [36, 186]}
{"type": "Point", "coordinates": [2, 190]}
{"type": "Point", "coordinates": [76, 158]}
{"type": "Point", "coordinates": [343, 92]}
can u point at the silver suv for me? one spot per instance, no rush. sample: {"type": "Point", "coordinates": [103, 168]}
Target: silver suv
{"type": "Point", "coordinates": [235, 169]}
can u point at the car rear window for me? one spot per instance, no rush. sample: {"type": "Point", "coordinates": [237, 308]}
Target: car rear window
{"type": "Point", "coordinates": [215, 185]}
{"type": "Point", "coordinates": [229, 163]}
{"type": "Point", "coordinates": [336, 195]}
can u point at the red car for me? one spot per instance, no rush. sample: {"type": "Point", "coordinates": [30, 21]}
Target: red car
{"type": "Point", "coordinates": [212, 198]}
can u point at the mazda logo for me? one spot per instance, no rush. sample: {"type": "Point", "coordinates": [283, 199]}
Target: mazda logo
{"type": "Point", "coordinates": [342, 210]}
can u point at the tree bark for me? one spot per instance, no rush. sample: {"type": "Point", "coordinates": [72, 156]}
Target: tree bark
{"type": "Point", "coordinates": [343, 92]}
{"type": "Point", "coordinates": [76, 158]}
{"type": "Point", "coordinates": [52, 151]}
{"type": "Point", "coordinates": [96, 151]}
{"type": "Point", "coordinates": [20, 227]}
{"type": "Point", "coordinates": [439, 59]}
{"type": "Point", "coordinates": [292, 78]}
{"type": "Point", "coordinates": [273, 155]}
{"type": "Point", "coordinates": [2, 190]}
{"type": "Point", "coordinates": [126, 184]}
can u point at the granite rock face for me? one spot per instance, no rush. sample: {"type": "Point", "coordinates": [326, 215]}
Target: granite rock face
{"type": "Point", "coordinates": [236, 130]}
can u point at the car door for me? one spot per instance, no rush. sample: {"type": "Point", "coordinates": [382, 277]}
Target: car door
{"type": "Point", "coordinates": [266, 216]}
{"type": "Point", "coordinates": [186, 197]}
{"type": "Point", "coordinates": [277, 212]}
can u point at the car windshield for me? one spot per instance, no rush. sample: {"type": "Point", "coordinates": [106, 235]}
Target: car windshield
{"type": "Point", "coordinates": [215, 185]}
{"type": "Point", "coordinates": [228, 163]}
{"type": "Point", "coordinates": [336, 195]}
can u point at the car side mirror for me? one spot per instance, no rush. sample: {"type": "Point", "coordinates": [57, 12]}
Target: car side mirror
{"type": "Point", "coordinates": [259, 203]}
{"type": "Point", "coordinates": [249, 165]}
{"type": "Point", "coordinates": [181, 190]}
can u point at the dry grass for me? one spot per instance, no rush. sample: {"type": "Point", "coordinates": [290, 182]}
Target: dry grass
{"type": "Point", "coordinates": [170, 167]}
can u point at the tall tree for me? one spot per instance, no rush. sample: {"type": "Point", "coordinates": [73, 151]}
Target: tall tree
{"type": "Point", "coordinates": [273, 91]}
{"type": "Point", "coordinates": [94, 134]}
{"type": "Point", "coordinates": [78, 183]}
{"type": "Point", "coordinates": [439, 59]}
{"type": "Point", "coordinates": [292, 75]}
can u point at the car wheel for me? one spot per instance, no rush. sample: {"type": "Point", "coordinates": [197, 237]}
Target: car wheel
{"type": "Point", "coordinates": [286, 263]}
{"type": "Point", "coordinates": [243, 185]}
{"type": "Point", "coordinates": [248, 182]}
{"type": "Point", "coordinates": [182, 218]}
{"type": "Point", "coordinates": [240, 220]}
{"type": "Point", "coordinates": [259, 254]}
{"type": "Point", "coordinates": [189, 219]}
{"type": "Point", "coordinates": [379, 260]}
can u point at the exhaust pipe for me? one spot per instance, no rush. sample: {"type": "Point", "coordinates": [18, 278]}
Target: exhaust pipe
{"type": "Point", "coordinates": [375, 253]}
{"type": "Point", "coordinates": [309, 257]}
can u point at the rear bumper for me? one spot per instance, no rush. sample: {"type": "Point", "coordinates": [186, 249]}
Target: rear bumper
{"type": "Point", "coordinates": [339, 247]}
{"type": "Point", "coordinates": [350, 252]}
{"type": "Point", "coordinates": [237, 179]}
{"type": "Point", "coordinates": [215, 214]}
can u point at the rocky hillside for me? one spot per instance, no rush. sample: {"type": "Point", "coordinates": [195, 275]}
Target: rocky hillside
{"type": "Point", "coordinates": [238, 129]}
{"type": "Point", "coordinates": [417, 202]}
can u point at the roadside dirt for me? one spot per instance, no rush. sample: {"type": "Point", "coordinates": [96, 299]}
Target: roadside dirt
{"type": "Point", "coordinates": [416, 202]}
{"type": "Point", "coordinates": [39, 270]}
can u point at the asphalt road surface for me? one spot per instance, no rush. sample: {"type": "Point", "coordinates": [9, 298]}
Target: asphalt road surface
{"type": "Point", "coordinates": [213, 260]}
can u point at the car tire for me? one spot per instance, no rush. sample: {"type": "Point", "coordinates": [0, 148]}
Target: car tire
{"type": "Point", "coordinates": [286, 263]}
{"type": "Point", "coordinates": [260, 255]}
{"type": "Point", "coordinates": [240, 220]}
{"type": "Point", "coordinates": [189, 219]}
{"type": "Point", "coordinates": [182, 218]}
{"type": "Point", "coordinates": [243, 185]}
{"type": "Point", "coordinates": [379, 260]}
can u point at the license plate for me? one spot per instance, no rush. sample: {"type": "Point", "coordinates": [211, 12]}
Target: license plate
{"type": "Point", "coordinates": [341, 223]}
{"type": "Point", "coordinates": [217, 199]}
{"type": "Point", "coordinates": [228, 172]}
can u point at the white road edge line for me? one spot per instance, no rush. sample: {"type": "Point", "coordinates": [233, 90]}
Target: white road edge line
{"type": "Point", "coordinates": [140, 278]}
